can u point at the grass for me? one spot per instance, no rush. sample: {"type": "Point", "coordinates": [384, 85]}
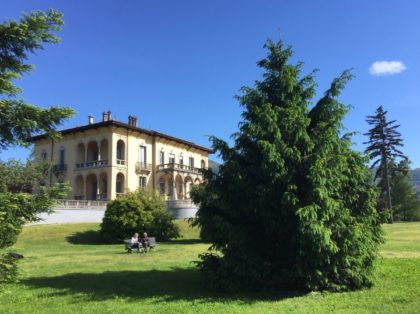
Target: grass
{"type": "Point", "coordinates": [66, 270]}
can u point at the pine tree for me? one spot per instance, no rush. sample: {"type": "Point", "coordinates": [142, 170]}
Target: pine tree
{"type": "Point", "coordinates": [19, 120]}
{"type": "Point", "coordinates": [405, 200]}
{"type": "Point", "coordinates": [291, 205]}
{"type": "Point", "coordinates": [384, 140]}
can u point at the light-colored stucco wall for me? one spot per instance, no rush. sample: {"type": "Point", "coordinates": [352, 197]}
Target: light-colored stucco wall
{"type": "Point", "coordinates": [109, 167]}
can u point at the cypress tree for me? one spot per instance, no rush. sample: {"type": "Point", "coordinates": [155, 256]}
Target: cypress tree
{"type": "Point", "coordinates": [384, 140]}
{"type": "Point", "coordinates": [292, 204]}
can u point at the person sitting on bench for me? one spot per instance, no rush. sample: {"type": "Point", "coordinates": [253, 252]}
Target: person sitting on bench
{"type": "Point", "coordinates": [145, 242]}
{"type": "Point", "coordinates": [135, 244]}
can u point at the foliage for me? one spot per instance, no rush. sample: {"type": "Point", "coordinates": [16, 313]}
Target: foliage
{"type": "Point", "coordinates": [18, 120]}
{"type": "Point", "coordinates": [406, 202]}
{"type": "Point", "coordinates": [137, 212]}
{"type": "Point", "coordinates": [8, 269]}
{"type": "Point", "coordinates": [292, 205]}
{"type": "Point", "coordinates": [22, 177]}
{"type": "Point", "coordinates": [383, 149]}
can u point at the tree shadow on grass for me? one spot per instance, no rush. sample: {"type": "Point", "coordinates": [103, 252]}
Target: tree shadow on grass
{"type": "Point", "coordinates": [167, 285]}
{"type": "Point", "coordinates": [86, 237]}
{"type": "Point", "coordinates": [185, 241]}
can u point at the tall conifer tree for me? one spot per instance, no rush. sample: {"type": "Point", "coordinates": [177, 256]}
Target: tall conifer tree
{"type": "Point", "coordinates": [383, 149]}
{"type": "Point", "coordinates": [291, 205]}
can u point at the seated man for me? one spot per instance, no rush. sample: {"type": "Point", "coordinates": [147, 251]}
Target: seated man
{"type": "Point", "coordinates": [145, 242]}
{"type": "Point", "coordinates": [135, 242]}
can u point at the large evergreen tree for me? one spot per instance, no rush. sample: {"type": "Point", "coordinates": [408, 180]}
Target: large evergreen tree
{"type": "Point", "coordinates": [383, 149]}
{"type": "Point", "coordinates": [291, 205]}
{"type": "Point", "coordinates": [18, 121]}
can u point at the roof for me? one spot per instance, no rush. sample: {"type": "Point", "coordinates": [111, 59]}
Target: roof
{"type": "Point", "coordinates": [126, 126]}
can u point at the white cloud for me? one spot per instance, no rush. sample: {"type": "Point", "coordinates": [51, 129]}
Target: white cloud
{"type": "Point", "coordinates": [386, 68]}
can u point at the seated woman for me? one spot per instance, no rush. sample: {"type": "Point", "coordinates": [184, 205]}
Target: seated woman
{"type": "Point", "coordinates": [135, 244]}
{"type": "Point", "coordinates": [145, 242]}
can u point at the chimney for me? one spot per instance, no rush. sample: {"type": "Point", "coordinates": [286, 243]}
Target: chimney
{"type": "Point", "coordinates": [132, 121]}
{"type": "Point", "coordinates": [109, 115]}
{"type": "Point", "coordinates": [105, 116]}
{"type": "Point", "coordinates": [90, 119]}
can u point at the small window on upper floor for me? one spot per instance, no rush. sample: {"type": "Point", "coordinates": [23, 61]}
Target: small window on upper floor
{"type": "Point", "coordinates": [203, 164]}
{"type": "Point", "coordinates": [191, 162]}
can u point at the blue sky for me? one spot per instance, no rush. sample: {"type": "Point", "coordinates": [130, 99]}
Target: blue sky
{"type": "Point", "coordinates": [177, 65]}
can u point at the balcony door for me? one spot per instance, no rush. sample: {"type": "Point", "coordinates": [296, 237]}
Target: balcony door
{"type": "Point", "coordinates": [142, 155]}
{"type": "Point", "coordinates": [172, 159]}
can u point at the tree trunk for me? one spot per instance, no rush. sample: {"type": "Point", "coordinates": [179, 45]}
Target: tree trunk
{"type": "Point", "coordinates": [388, 191]}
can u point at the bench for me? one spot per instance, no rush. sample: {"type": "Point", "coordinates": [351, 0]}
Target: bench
{"type": "Point", "coordinates": [129, 246]}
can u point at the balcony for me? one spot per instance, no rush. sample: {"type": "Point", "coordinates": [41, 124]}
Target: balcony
{"type": "Point", "coordinates": [59, 168]}
{"type": "Point", "coordinates": [92, 164]}
{"type": "Point", "coordinates": [177, 167]}
{"type": "Point", "coordinates": [142, 167]}
{"type": "Point", "coordinates": [121, 162]}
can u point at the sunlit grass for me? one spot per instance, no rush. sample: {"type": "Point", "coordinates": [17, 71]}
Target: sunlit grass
{"type": "Point", "coordinates": [67, 270]}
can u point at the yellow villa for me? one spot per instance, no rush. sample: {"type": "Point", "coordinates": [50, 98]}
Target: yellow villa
{"type": "Point", "coordinates": [106, 159]}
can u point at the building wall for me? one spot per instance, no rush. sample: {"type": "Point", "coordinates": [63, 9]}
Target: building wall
{"type": "Point", "coordinates": [83, 165]}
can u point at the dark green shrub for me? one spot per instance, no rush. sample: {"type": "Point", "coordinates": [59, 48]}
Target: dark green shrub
{"type": "Point", "coordinates": [8, 269]}
{"type": "Point", "coordinates": [138, 212]}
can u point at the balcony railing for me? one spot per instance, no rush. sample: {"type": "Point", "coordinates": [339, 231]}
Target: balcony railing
{"type": "Point", "coordinates": [102, 197]}
{"type": "Point", "coordinates": [91, 164]}
{"type": "Point", "coordinates": [143, 167]}
{"type": "Point", "coordinates": [79, 204]}
{"type": "Point", "coordinates": [121, 162]}
{"type": "Point", "coordinates": [59, 168]}
{"type": "Point", "coordinates": [178, 167]}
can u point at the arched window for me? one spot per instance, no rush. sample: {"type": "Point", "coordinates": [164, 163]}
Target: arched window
{"type": "Point", "coordinates": [203, 164]}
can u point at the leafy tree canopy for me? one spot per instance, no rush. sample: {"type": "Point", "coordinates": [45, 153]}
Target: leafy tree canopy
{"type": "Point", "coordinates": [18, 122]}
{"type": "Point", "coordinates": [292, 204]}
{"type": "Point", "coordinates": [18, 119]}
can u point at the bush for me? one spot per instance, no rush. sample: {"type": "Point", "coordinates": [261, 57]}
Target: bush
{"type": "Point", "coordinates": [8, 269]}
{"type": "Point", "coordinates": [138, 212]}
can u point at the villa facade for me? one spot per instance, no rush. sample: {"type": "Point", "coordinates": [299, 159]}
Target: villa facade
{"type": "Point", "coordinates": [106, 159]}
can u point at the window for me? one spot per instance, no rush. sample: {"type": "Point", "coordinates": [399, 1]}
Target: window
{"type": "Point", "coordinates": [119, 152]}
{"type": "Point", "coordinates": [142, 157]}
{"type": "Point", "coordinates": [191, 162]}
{"type": "Point", "coordinates": [162, 158]}
{"type": "Point", "coordinates": [44, 154]}
{"type": "Point", "coordinates": [62, 153]}
{"type": "Point", "coordinates": [162, 186]}
{"type": "Point", "coordinates": [142, 183]}
{"type": "Point", "coordinates": [171, 159]}
{"type": "Point", "coordinates": [203, 164]}
{"type": "Point", "coordinates": [181, 162]}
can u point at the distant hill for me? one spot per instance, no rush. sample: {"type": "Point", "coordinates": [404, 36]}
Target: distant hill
{"type": "Point", "coordinates": [416, 174]}
{"type": "Point", "coordinates": [214, 166]}
{"type": "Point", "coordinates": [416, 179]}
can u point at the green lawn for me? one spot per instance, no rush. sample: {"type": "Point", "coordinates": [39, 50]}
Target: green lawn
{"type": "Point", "coordinates": [65, 270]}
